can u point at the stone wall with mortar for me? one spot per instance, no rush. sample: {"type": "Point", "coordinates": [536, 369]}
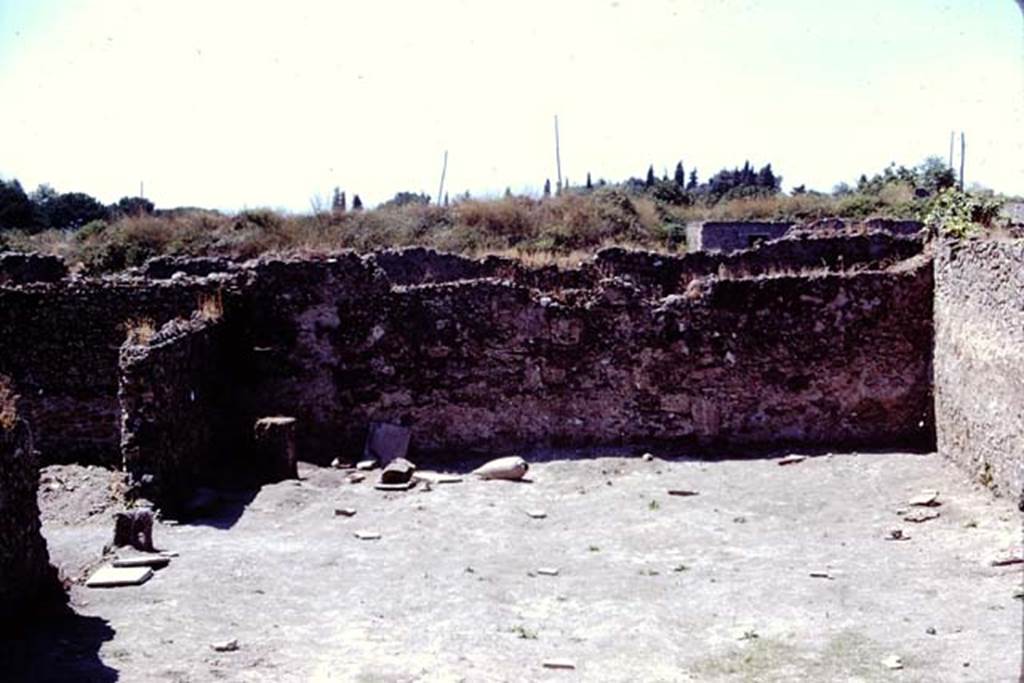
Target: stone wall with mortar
{"type": "Point", "coordinates": [60, 341]}
{"type": "Point", "coordinates": [173, 417]}
{"type": "Point", "coordinates": [809, 342]}
{"type": "Point", "coordinates": [979, 360]}
{"type": "Point", "coordinates": [26, 578]}
{"type": "Point", "coordinates": [491, 365]}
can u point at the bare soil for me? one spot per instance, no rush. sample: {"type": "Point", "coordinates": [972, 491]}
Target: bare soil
{"type": "Point", "coordinates": [716, 586]}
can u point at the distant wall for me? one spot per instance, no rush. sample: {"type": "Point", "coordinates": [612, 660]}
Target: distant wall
{"type": "Point", "coordinates": [732, 235]}
{"type": "Point", "coordinates": [26, 577]}
{"type": "Point", "coordinates": [171, 391]}
{"type": "Point", "coordinates": [979, 360]}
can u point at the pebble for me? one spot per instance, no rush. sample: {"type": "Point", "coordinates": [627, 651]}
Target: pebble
{"type": "Point", "coordinates": [559, 664]}
{"type": "Point", "coordinates": [344, 512]}
{"type": "Point", "coordinates": [537, 514]}
{"type": "Point", "coordinates": [547, 571]}
{"type": "Point", "coordinates": [893, 662]}
{"type": "Point", "coordinates": [226, 646]}
{"type": "Point", "coordinates": [367, 535]}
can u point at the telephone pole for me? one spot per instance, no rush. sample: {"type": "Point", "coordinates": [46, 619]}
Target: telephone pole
{"type": "Point", "coordinates": [558, 157]}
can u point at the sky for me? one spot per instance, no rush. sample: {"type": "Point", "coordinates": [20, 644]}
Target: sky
{"type": "Point", "coordinates": [239, 104]}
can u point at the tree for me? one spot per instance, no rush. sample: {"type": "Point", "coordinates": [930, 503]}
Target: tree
{"type": "Point", "coordinates": [680, 175]}
{"type": "Point", "coordinates": [547, 187]}
{"type": "Point", "coordinates": [132, 206]}
{"type": "Point", "coordinates": [339, 204]}
{"type": "Point", "coordinates": [692, 185]}
{"type": "Point", "coordinates": [403, 199]}
{"type": "Point", "coordinates": [16, 209]}
{"type": "Point", "coordinates": [68, 210]}
{"type": "Point", "coordinates": [649, 182]}
{"type": "Point", "coordinates": [357, 203]}
{"type": "Point", "coordinates": [590, 185]}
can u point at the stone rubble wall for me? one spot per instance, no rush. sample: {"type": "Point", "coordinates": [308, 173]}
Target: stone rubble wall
{"type": "Point", "coordinates": [172, 409]}
{"type": "Point", "coordinates": [979, 360]}
{"type": "Point", "coordinates": [60, 342]}
{"type": "Point", "coordinates": [715, 351]}
{"type": "Point", "coordinates": [26, 578]}
{"type": "Point", "coordinates": [491, 365]}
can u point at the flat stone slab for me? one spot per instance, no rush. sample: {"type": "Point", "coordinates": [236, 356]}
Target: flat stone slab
{"type": "Point", "coordinates": [154, 561]}
{"type": "Point", "coordinates": [109, 576]}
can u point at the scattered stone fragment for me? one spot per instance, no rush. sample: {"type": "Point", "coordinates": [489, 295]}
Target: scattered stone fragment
{"type": "Point", "coordinates": [439, 478]}
{"type": "Point", "coordinates": [367, 535]}
{"type": "Point", "coordinates": [356, 477]}
{"type": "Point", "coordinates": [339, 465]}
{"type": "Point", "coordinates": [920, 516]}
{"type": "Point", "coordinates": [154, 561]}
{"type": "Point", "coordinates": [386, 442]}
{"type": "Point", "coordinates": [512, 467]}
{"type": "Point", "coordinates": [226, 646]}
{"type": "Point", "coordinates": [647, 457]}
{"type": "Point", "coordinates": [344, 512]}
{"type": "Point", "coordinates": [366, 465]}
{"type": "Point", "coordinates": [930, 631]}
{"type": "Point", "coordinates": [893, 662]}
{"type": "Point", "coordinates": [821, 575]}
{"type": "Point", "coordinates": [547, 571]}
{"type": "Point", "coordinates": [559, 664]}
{"type": "Point", "coordinates": [1007, 561]}
{"type": "Point", "coordinates": [926, 499]}
{"type": "Point", "coordinates": [792, 459]}
{"type": "Point", "coordinates": [109, 576]}
{"type": "Point", "coordinates": [682, 492]}
{"type": "Point", "coordinates": [537, 514]}
{"type": "Point", "coordinates": [398, 471]}
{"type": "Point", "coordinates": [394, 487]}
{"type": "Point", "coordinates": [897, 535]}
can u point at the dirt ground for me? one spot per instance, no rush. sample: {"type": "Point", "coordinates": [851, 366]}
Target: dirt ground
{"type": "Point", "coordinates": [716, 586]}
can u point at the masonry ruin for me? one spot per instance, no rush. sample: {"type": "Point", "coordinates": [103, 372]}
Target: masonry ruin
{"type": "Point", "coordinates": [831, 341]}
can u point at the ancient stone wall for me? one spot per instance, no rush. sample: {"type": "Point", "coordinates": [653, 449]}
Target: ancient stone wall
{"type": "Point", "coordinates": [708, 350]}
{"type": "Point", "coordinates": [59, 342]}
{"type": "Point", "coordinates": [26, 578]}
{"type": "Point", "coordinates": [492, 365]}
{"type": "Point", "coordinates": [732, 235]}
{"type": "Point", "coordinates": [979, 360]}
{"type": "Point", "coordinates": [173, 417]}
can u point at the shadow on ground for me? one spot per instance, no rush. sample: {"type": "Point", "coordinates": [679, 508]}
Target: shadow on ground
{"type": "Point", "coordinates": [63, 647]}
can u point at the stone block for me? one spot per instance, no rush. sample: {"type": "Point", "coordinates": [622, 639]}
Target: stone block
{"type": "Point", "coordinates": [275, 448]}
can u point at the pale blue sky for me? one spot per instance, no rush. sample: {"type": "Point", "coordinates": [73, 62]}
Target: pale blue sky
{"type": "Point", "coordinates": [230, 104]}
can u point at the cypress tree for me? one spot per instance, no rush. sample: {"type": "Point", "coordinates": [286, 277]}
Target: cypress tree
{"type": "Point", "coordinates": [357, 203]}
{"type": "Point", "coordinates": [650, 176]}
{"type": "Point", "coordinates": [680, 175]}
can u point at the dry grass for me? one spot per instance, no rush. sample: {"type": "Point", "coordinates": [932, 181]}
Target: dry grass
{"type": "Point", "coordinates": [549, 230]}
{"type": "Point", "coordinates": [139, 332]}
{"type": "Point", "coordinates": [211, 306]}
{"type": "Point", "coordinates": [8, 404]}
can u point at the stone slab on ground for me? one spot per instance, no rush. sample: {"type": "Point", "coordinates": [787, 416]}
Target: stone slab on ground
{"type": "Point", "coordinates": [109, 576]}
{"type": "Point", "coordinates": [674, 592]}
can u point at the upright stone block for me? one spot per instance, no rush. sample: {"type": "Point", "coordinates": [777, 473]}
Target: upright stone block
{"type": "Point", "coordinates": [275, 447]}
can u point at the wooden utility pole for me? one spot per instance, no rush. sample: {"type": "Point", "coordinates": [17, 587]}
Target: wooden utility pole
{"type": "Point", "coordinates": [444, 170]}
{"type": "Point", "coordinates": [963, 153]}
{"type": "Point", "coordinates": [141, 193]}
{"type": "Point", "coordinates": [952, 138]}
{"type": "Point", "coordinates": [558, 158]}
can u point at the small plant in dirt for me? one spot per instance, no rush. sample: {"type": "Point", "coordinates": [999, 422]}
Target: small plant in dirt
{"type": "Point", "coordinates": [653, 505]}
{"type": "Point", "coordinates": [594, 549]}
{"type": "Point", "coordinates": [680, 568]}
